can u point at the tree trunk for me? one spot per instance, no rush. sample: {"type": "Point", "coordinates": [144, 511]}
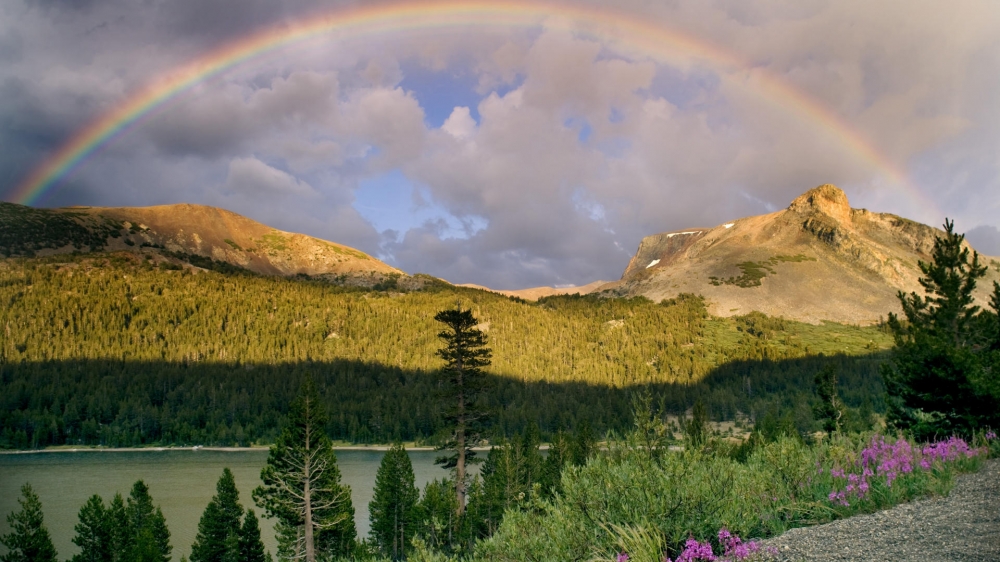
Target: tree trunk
{"type": "Point", "coordinates": [307, 500]}
{"type": "Point", "coordinates": [460, 439]}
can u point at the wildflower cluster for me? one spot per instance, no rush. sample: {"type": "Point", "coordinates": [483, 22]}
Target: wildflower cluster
{"type": "Point", "coordinates": [888, 461]}
{"type": "Point", "coordinates": [946, 451]}
{"type": "Point", "coordinates": [734, 549]}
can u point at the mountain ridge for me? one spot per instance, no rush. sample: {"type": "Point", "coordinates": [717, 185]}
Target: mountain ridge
{"type": "Point", "coordinates": [182, 229]}
{"type": "Point", "coordinates": [818, 259]}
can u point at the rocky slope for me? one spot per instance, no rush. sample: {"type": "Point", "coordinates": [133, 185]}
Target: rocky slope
{"type": "Point", "coordinates": [177, 231]}
{"type": "Point", "coordinates": [535, 293]}
{"type": "Point", "coordinates": [819, 259]}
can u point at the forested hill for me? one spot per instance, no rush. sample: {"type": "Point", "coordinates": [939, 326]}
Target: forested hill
{"type": "Point", "coordinates": [133, 340]}
{"type": "Point", "coordinates": [192, 233]}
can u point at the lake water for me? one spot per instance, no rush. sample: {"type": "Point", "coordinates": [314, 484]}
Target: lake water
{"type": "Point", "coordinates": [182, 482]}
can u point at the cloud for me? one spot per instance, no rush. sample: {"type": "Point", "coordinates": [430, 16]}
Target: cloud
{"type": "Point", "coordinates": [985, 239]}
{"type": "Point", "coordinates": [460, 124]}
{"type": "Point", "coordinates": [252, 177]}
{"type": "Point", "coordinates": [565, 147]}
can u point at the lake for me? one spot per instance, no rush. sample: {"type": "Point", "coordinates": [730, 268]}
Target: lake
{"type": "Point", "coordinates": [182, 482]}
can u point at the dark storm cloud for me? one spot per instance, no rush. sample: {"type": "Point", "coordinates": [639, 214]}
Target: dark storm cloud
{"type": "Point", "coordinates": [985, 239]}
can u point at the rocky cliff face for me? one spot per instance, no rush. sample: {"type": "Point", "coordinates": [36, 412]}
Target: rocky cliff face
{"type": "Point", "coordinates": [196, 230]}
{"type": "Point", "coordinates": [816, 260]}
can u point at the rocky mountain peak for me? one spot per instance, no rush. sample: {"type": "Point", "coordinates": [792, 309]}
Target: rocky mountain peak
{"type": "Point", "coordinates": [827, 199]}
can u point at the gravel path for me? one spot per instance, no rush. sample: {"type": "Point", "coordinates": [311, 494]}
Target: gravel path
{"type": "Point", "coordinates": [965, 526]}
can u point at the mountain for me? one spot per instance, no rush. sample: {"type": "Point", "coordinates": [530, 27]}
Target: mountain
{"type": "Point", "coordinates": [535, 293]}
{"type": "Point", "coordinates": [181, 232]}
{"type": "Point", "coordinates": [816, 260]}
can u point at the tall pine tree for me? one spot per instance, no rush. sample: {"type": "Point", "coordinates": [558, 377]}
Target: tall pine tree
{"type": "Point", "coordinates": [302, 488]}
{"type": "Point", "coordinates": [829, 409]}
{"type": "Point", "coordinates": [93, 532]}
{"type": "Point", "coordinates": [220, 520]}
{"type": "Point", "coordinates": [28, 540]}
{"type": "Point", "coordinates": [250, 547]}
{"type": "Point", "coordinates": [148, 536]}
{"type": "Point", "coordinates": [393, 509]}
{"type": "Point", "coordinates": [465, 354]}
{"type": "Point", "coordinates": [930, 383]}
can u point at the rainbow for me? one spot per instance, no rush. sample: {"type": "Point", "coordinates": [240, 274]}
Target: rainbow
{"type": "Point", "coordinates": [628, 32]}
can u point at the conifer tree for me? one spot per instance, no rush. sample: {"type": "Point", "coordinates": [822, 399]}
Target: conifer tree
{"type": "Point", "coordinates": [503, 483]}
{"type": "Point", "coordinates": [696, 429]}
{"type": "Point", "coordinates": [830, 409]}
{"type": "Point", "coordinates": [250, 546]}
{"type": "Point", "coordinates": [465, 354]}
{"type": "Point", "coordinates": [302, 488]}
{"type": "Point", "coordinates": [437, 514]}
{"type": "Point", "coordinates": [121, 536]}
{"type": "Point", "coordinates": [558, 457]}
{"type": "Point", "coordinates": [220, 520]}
{"type": "Point", "coordinates": [93, 532]}
{"type": "Point", "coordinates": [28, 540]}
{"type": "Point", "coordinates": [529, 442]}
{"type": "Point", "coordinates": [149, 538]}
{"type": "Point", "coordinates": [393, 509]}
{"type": "Point", "coordinates": [930, 384]}
{"type": "Point", "coordinates": [583, 444]}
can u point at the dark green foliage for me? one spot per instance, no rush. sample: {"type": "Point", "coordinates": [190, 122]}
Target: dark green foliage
{"type": "Point", "coordinates": [148, 539]}
{"type": "Point", "coordinates": [121, 535]}
{"type": "Point", "coordinates": [25, 230]}
{"type": "Point", "coordinates": [583, 445]}
{"type": "Point", "coordinates": [505, 485]}
{"type": "Point", "coordinates": [464, 385]}
{"type": "Point", "coordinates": [932, 381]}
{"type": "Point", "coordinates": [752, 272]}
{"type": "Point", "coordinates": [219, 522]}
{"type": "Point", "coordinates": [208, 263]}
{"type": "Point", "coordinates": [393, 511]}
{"type": "Point", "coordinates": [438, 525]}
{"type": "Point", "coordinates": [249, 545]}
{"type": "Point", "coordinates": [696, 429]}
{"type": "Point", "coordinates": [829, 409]}
{"type": "Point", "coordinates": [28, 540]}
{"type": "Point", "coordinates": [102, 353]}
{"type": "Point", "coordinates": [759, 325]}
{"type": "Point", "coordinates": [93, 532]}
{"type": "Point", "coordinates": [302, 488]}
{"type": "Point", "coordinates": [558, 457]}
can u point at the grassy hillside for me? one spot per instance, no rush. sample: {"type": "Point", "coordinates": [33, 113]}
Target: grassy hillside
{"type": "Point", "coordinates": [130, 343]}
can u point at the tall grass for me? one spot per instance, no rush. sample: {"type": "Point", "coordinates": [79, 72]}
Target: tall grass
{"type": "Point", "coordinates": [637, 501]}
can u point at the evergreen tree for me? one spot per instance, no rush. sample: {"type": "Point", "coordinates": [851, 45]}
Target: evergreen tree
{"type": "Point", "coordinates": [28, 540]}
{"type": "Point", "coordinates": [503, 487]}
{"type": "Point", "coordinates": [437, 514]}
{"type": "Point", "coordinates": [393, 509]}
{"type": "Point", "coordinates": [121, 536]}
{"type": "Point", "coordinates": [149, 538]}
{"type": "Point", "coordinates": [583, 445]}
{"type": "Point", "coordinates": [696, 429]}
{"type": "Point", "coordinates": [250, 546]}
{"type": "Point", "coordinates": [930, 384]}
{"type": "Point", "coordinates": [302, 488]}
{"type": "Point", "coordinates": [552, 466]}
{"type": "Point", "coordinates": [830, 409]}
{"type": "Point", "coordinates": [220, 520]}
{"type": "Point", "coordinates": [529, 442]}
{"type": "Point", "coordinates": [465, 354]}
{"type": "Point", "coordinates": [93, 532]}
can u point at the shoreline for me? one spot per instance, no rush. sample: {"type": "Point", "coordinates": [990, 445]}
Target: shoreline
{"type": "Point", "coordinates": [197, 448]}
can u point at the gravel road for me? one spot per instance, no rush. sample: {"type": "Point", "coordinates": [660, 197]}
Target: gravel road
{"type": "Point", "coordinates": [965, 526]}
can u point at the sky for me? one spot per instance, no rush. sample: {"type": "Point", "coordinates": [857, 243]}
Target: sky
{"type": "Point", "coordinates": [515, 152]}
